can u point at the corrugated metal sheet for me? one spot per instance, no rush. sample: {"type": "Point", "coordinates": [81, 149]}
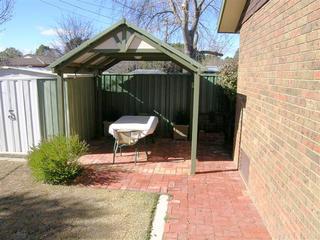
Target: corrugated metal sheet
{"type": "Point", "coordinates": [81, 106]}
{"type": "Point", "coordinates": [48, 107]}
{"type": "Point", "coordinates": [212, 97]}
{"type": "Point", "coordinates": [157, 94]}
{"type": "Point", "coordinates": [19, 116]}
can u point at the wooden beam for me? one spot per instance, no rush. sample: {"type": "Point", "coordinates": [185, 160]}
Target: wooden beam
{"type": "Point", "coordinates": [60, 101]}
{"type": "Point", "coordinates": [86, 64]}
{"type": "Point", "coordinates": [118, 41]}
{"type": "Point", "coordinates": [91, 60]}
{"type": "Point", "coordinates": [124, 38]}
{"type": "Point", "coordinates": [83, 48]}
{"type": "Point", "coordinates": [136, 51]}
{"type": "Point", "coordinates": [129, 42]}
{"type": "Point", "coordinates": [109, 64]}
{"type": "Point", "coordinates": [195, 116]}
{"type": "Point", "coordinates": [170, 54]}
{"type": "Point", "coordinates": [78, 70]}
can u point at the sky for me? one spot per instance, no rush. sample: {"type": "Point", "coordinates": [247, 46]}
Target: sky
{"type": "Point", "coordinates": [33, 22]}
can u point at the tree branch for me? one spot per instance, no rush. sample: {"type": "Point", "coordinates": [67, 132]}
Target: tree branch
{"type": "Point", "coordinates": [215, 53]}
{"type": "Point", "coordinates": [6, 7]}
{"type": "Point", "coordinates": [174, 10]}
{"type": "Point", "coordinates": [158, 14]}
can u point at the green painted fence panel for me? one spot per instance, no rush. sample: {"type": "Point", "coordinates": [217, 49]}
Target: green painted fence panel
{"type": "Point", "coordinates": [162, 95]}
{"type": "Point", "coordinates": [81, 108]}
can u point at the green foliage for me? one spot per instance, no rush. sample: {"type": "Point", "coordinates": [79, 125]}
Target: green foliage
{"type": "Point", "coordinates": [55, 161]}
{"type": "Point", "coordinates": [43, 50]}
{"type": "Point", "coordinates": [228, 78]}
{"type": "Point", "coordinates": [9, 53]}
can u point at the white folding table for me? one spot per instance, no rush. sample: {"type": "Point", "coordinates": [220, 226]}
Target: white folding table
{"type": "Point", "coordinates": [145, 124]}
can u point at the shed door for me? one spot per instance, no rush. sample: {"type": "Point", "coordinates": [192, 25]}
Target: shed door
{"type": "Point", "coordinates": [19, 116]}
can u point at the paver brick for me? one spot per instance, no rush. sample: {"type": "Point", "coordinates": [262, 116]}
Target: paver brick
{"type": "Point", "coordinates": [209, 205]}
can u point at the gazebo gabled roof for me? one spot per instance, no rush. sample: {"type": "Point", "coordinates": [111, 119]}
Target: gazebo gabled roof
{"type": "Point", "coordinates": [121, 42]}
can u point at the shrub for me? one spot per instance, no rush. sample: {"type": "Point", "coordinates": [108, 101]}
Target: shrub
{"type": "Point", "coordinates": [228, 81]}
{"type": "Point", "coordinates": [228, 78]}
{"type": "Point", "coordinates": [54, 161]}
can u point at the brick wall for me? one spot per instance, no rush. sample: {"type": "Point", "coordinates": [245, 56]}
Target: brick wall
{"type": "Point", "coordinates": [279, 116]}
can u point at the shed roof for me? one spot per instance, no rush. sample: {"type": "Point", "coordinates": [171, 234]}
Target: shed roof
{"type": "Point", "coordinates": [122, 41]}
{"type": "Point", "coordinates": [29, 61]}
{"type": "Point", "coordinates": [14, 73]}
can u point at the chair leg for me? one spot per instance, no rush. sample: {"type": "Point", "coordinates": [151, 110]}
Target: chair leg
{"type": "Point", "coordinates": [115, 149]}
{"type": "Point", "coordinates": [145, 149]}
{"type": "Point", "coordinates": [136, 156]}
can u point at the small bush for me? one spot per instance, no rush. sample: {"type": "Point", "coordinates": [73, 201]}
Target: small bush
{"type": "Point", "coordinates": [54, 161]}
{"type": "Point", "coordinates": [228, 77]}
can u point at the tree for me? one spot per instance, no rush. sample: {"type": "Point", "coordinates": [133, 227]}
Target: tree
{"type": "Point", "coordinates": [72, 31]}
{"type": "Point", "coordinates": [228, 77]}
{"type": "Point", "coordinates": [47, 51]}
{"type": "Point", "coordinates": [9, 53]}
{"type": "Point", "coordinates": [42, 50]}
{"type": "Point", "coordinates": [236, 55]}
{"type": "Point", "coordinates": [6, 8]}
{"type": "Point", "coordinates": [190, 20]}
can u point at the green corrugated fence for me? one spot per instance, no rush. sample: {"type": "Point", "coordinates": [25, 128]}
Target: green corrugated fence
{"type": "Point", "coordinates": [80, 107]}
{"type": "Point", "coordinates": [162, 95]}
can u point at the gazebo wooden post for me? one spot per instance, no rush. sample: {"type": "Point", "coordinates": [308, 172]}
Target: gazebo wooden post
{"type": "Point", "coordinates": [195, 116]}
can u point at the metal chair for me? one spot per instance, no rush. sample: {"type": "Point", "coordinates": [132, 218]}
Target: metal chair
{"type": "Point", "coordinates": [124, 138]}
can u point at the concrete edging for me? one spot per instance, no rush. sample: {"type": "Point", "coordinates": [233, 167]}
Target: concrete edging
{"type": "Point", "coordinates": [159, 219]}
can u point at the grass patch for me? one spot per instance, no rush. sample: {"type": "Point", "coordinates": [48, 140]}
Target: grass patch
{"type": "Point", "coordinates": [153, 211]}
{"type": "Point", "coordinates": [31, 210]}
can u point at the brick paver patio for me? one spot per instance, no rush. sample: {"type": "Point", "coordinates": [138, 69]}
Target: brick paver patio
{"type": "Point", "coordinates": [213, 204]}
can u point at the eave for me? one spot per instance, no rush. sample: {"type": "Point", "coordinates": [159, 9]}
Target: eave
{"type": "Point", "coordinates": [230, 15]}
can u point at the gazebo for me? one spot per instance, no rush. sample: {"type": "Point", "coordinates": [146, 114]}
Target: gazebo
{"type": "Point", "coordinates": [124, 42]}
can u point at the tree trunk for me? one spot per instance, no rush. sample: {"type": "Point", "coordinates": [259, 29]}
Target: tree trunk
{"type": "Point", "coordinates": [188, 43]}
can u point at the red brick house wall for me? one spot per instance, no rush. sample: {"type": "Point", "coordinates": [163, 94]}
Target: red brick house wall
{"type": "Point", "coordinates": [278, 120]}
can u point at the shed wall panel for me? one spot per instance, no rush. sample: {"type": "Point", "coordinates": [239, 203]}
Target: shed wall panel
{"type": "Point", "coordinates": [19, 115]}
{"type": "Point", "coordinates": [48, 107]}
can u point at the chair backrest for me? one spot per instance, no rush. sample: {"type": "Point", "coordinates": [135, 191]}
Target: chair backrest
{"type": "Point", "coordinates": [127, 137]}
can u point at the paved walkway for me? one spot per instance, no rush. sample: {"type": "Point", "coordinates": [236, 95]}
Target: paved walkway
{"type": "Point", "coordinates": [213, 204]}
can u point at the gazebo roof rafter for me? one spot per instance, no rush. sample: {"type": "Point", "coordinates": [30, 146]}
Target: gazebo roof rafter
{"type": "Point", "coordinates": [121, 42]}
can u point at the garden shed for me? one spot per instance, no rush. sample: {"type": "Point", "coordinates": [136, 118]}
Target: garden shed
{"type": "Point", "coordinates": [20, 110]}
{"type": "Point", "coordinates": [29, 107]}
{"type": "Point", "coordinates": [121, 42]}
